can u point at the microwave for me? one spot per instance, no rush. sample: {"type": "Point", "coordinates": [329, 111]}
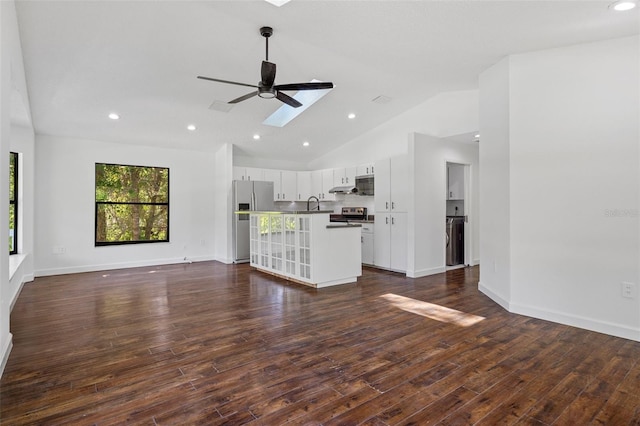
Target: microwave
{"type": "Point", "coordinates": [365, 185]}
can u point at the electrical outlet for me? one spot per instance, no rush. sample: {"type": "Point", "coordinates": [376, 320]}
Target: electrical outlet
{"type": "Point", "coordinates": [629, 290]}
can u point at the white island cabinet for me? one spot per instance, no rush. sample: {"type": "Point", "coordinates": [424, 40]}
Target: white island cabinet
{"type": "Point", "coordinates": [305, 247]}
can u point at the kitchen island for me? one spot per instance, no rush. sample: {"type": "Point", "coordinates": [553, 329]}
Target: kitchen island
{"type": "Point", "coordinates": [305, 247]}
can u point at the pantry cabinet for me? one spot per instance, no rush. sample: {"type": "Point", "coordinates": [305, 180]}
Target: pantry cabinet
{"type": "Point", "coordinates": [390, 243]}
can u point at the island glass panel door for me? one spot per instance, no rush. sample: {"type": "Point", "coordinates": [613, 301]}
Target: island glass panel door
{"type": "Point", "coordinates": [276, 242]}
{"type": "Point", "coordinates": [290, 245]}
{"type": "Point", "coordinates": [304, 246]}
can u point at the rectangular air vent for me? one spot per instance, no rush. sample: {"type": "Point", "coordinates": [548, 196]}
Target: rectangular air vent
{"type": "Point", "coordinates": [221, 106]}
{"type": "Point", "coordinates": [382, 99]}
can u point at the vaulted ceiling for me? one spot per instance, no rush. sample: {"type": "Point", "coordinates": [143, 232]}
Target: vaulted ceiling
{"type": "Point", "coordinates": [85, 59]}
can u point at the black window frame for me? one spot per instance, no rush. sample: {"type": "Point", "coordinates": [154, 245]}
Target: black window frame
{"type": "Point", "coordinates": [13, 201]}
{"type": "Point", "coordinates": [97, 203]}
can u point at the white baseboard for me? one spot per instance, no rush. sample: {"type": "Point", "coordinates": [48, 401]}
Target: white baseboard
{"type": "Point", "coordinates": [122, 265]}
{"type": "Point", "coordinates": [494, 296]}
{"type": "Point", "coordinates": [612, 329]}
{"type": "Point", "coordinates": [25, 279]}
{"type": "Point", "coordinates": [426, 272]}
{"type": "Point", "coordinates": [225, 260]}
{"type": "Point", "coordinates": [6, 350]}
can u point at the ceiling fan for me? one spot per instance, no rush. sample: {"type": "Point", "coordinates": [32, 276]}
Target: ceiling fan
{"type": "Point", "coordinates": [266, 88]}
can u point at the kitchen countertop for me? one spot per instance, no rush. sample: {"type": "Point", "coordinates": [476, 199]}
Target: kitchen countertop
{"type": "Point", "coordinates": [284, 212]}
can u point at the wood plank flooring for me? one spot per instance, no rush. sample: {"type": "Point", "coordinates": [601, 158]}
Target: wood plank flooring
{"type": "Point", "coordinates": [214, 344]}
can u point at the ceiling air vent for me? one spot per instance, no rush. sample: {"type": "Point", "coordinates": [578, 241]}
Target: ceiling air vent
{"type": "Point", "coordinates": [221, 106]}
{"type": "Point", "coordinates": [382, 99]}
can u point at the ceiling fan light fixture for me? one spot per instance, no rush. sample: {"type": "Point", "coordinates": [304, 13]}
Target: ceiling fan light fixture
{"type": "Point", "coordinates": [623, 5]}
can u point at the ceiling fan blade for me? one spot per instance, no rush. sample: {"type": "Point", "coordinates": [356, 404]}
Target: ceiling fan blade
{"type": "Point", "coordinates": [288, 100]}
{"type": "Point", "coordinates": [304, 86]}
{"type": "Point", "coordinates": [226, 81]}
{"type": "Point", "coordinates": [244, 98]}
{"type": "Point", "coordinates": [268, 73]}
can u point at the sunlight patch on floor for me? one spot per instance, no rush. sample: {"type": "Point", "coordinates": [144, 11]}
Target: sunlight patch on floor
{"type": "Point", "coordinates": [430, 310]}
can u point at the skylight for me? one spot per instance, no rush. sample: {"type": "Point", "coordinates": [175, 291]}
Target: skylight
{"type": "Point", "coordinates": [285, 113]}
{"type": "Point", "coordinates": [277, 2]}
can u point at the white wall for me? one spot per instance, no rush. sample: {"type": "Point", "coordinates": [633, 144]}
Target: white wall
{"type": "Point", "coordinates": [573, 126]}
{"type": "Point", "coordinates": [65, 195]}
{"type": "Point", "coordinates": [495, 240]}
{"type": "Point", "coordinates": [427, 234]}
{"type": "Point", "coordinates": [446, 114]}
{"type": "Point", "coordinates": [15, 134]}
{"type": "Point", "coordinates": [23, 141]}
{"type": "Point", "coordinates": [224, 204]}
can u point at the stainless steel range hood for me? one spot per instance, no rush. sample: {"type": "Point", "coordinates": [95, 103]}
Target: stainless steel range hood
{"type": "Point", "coordinates": [349, 189]}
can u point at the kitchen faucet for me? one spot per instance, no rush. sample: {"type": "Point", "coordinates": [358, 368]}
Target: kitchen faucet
{"type": "Point", "coordinates": [317, 201]}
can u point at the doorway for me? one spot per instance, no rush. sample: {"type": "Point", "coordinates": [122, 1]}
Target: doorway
{"type": "Point", "coordinates": [457, 241]}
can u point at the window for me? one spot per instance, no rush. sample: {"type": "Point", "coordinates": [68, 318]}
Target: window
{"type": "Point", "coordinates": [132, 204]}
{"type": "Point", "coordinates": [13, 203]}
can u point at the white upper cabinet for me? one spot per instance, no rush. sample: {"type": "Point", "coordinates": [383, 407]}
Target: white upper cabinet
{"type": "Point", "coordinates": [392, 183]}
{"type": "Point", "coordinates": [365, 169]}
{"type": "Point", "coordinates": [247, 173]}
{"type": "Point", "coordinates": [344, 176]}
{"type": "Point", "coordinates": [289, 185]}
{"type": "Point", "coordinates": [455, 182]}
{"type": "Point", "coordinates": [321, 183]}
{"type": "Point", "coordinates": [304, 186]}
{"type": "Point", "coordinates": [327, 184]}
{"type": "Point", "coordinates": [284, 184]}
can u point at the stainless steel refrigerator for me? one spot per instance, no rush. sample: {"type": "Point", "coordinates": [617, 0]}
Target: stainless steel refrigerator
{"type": "Point", "coordinates": [248, 195]}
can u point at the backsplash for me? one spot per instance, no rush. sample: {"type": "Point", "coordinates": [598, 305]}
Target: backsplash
{"type": "Point", "coordinates": [342, 200]}
{"type": "Point", "coordinates": [451, 207]}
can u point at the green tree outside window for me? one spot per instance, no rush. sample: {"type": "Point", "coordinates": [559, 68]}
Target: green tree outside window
{"type": "Point", "coordinates": [132, 204]}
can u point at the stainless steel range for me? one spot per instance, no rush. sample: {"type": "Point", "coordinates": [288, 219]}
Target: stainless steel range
{"type": "Point", "coordinates": [350, 214]}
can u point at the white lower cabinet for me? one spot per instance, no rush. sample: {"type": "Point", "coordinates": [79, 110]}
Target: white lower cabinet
{"type": "Point", "coordinates": [304, 248]}
{"type": "Point", "coordinates": [367, 243]}
{"type": "Point", "coordinates": [390, 243]}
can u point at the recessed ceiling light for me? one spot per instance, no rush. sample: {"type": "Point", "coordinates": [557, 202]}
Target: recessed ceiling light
{"type": "Point", "coordinates": [256, 137]}
{"type": "Point", "coordinates": [351, 116]}
{"type": "Point", "coordinates": [477, 135]}
{"type": "Point", "coordinates": [114, 116]}
{"type": "Point", "coordinates": [622, 5]}
{"type": "Point", "coordinates": [305, 143]}
{"type": "Point", "coordinates": [191, 127]}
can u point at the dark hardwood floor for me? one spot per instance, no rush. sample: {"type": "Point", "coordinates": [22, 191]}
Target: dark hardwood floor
{"type": "Point", "coordinates": [208, 343]}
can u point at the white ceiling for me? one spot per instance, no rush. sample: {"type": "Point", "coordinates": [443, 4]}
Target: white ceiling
{"type": "Point", "coordinates": [84, 59]}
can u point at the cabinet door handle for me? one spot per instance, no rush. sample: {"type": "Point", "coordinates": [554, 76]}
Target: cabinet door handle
{"type": "Point", "coordinates": [393, 220]}
{"type": "Point", "coordinates": [347, 179]}
{"type": "Point", "coordinates": [386, 205]}
{"type": "Point", "coordinates": [362, 239]}
{"type": "Point", "coordinates": [386, 220]}
{"type": "Point", "coordinates": [393, 205]}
